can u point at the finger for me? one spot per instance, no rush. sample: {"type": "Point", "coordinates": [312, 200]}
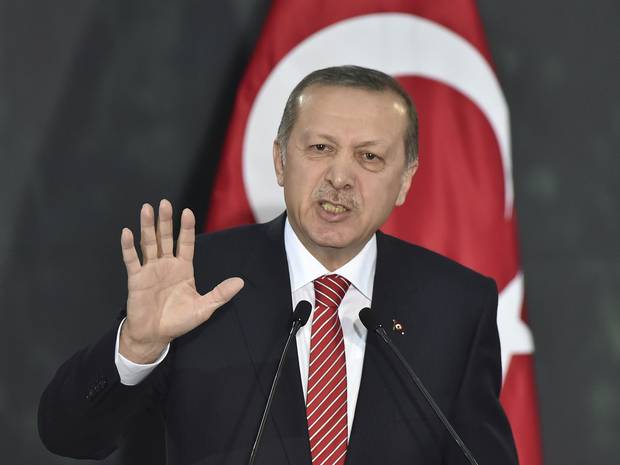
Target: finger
{"type": "Point", "coordinates": [220, 294]}
{"type": "Point", "coordinates": [130, 256]}
{"type": "Point", "coordinates": [187, 236]}
{"type": "Point", "coordinates": [164, 229]}
{"type": "Point", "coordinates": [148, 241]}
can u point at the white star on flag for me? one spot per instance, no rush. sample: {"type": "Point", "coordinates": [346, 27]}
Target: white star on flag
{"type": "Point", "coordinates": [514, 334]}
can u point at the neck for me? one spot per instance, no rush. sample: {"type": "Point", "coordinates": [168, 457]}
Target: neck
{"type": "Point", "coordinates": [333, 258]}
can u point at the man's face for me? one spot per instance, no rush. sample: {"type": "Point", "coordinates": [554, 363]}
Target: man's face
{"type": "Point", "coordinates": [344, 168]}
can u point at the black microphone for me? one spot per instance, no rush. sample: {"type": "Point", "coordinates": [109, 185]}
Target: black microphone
{"type": "Point", "coordinates": [300, 318]}
{"type": "Point", "coordinates": [370, 320]}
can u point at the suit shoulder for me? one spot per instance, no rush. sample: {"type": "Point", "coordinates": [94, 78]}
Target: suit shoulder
{"type": "Point", "coordinates": [233, 237]}
{"type": "Point", "coordinates": [225, 252]}
{"type": "Point", "coordinates": [437, 267]}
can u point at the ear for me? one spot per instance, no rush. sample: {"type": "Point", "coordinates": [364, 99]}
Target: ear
{"type": "Point", "coordinates": [405, 183]}
{"type": "Point", "coordinates": [278, 163]}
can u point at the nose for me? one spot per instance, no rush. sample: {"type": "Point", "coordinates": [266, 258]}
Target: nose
{"type": "Point", "coordinates": [340, 173]}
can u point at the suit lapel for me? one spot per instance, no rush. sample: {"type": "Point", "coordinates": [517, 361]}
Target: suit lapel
{"type": "Point", "coordinates": [376, 410]}
{"type": "Point", "coordinates": [264, 308]}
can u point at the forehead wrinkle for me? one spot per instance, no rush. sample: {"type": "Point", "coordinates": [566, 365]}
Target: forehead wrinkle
{"type": "Point", "coordinates": [321, 107]}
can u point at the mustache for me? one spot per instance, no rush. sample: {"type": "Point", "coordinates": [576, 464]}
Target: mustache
{"type": "Point", "coordinates": [346, 198]}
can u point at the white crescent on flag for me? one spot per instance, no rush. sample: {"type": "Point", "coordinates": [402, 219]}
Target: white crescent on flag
{"type": "Point", "coordinates": [414, 47]}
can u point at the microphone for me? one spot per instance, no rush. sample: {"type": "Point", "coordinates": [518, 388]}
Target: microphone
{"type": "Point", "coordinates": [300, 318]}
{"type": "Point", "coordinates": [371, 322]}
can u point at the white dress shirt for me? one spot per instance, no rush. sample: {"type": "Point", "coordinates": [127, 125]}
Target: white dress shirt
{"type": "Point", "coordinates": [303, 270]}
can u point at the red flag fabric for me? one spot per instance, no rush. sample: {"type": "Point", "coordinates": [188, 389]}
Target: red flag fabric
{"type": "Point", "coordinates": [461, 201]}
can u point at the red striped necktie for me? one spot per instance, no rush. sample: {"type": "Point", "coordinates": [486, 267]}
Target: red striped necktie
{"type": "Point", "coordinates": [326, 403]}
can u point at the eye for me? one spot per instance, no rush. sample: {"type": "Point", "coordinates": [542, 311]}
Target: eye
{"type": "Point", "coordinates": [319, 147]}
{"type": "Point", "coordinates": [371, 161]}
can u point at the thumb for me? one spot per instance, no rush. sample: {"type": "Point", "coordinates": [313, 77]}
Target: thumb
{"type": "Point", "coordinates": [218, 296]}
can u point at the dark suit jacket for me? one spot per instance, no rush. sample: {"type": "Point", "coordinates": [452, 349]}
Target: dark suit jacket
{"type": "Point", "coordinates": [212, 386]}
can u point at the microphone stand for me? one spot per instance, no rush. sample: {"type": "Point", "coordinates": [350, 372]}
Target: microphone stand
{"type": "Point", "coordinates": [370, 321]}
{"type": "Point", "coordinates": [300, 317]}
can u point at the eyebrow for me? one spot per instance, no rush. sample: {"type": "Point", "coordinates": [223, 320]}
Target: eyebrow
{"type": "Point", "coordinates": [325, 136]}
{"type": "Point", "coordinates": [367, 143]}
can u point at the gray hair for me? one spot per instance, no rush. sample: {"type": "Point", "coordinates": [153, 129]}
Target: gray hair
{"type": "Point", "coordinates": [357, 77]}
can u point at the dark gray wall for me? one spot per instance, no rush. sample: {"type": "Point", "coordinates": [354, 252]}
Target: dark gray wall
{"type": "Point", "coordinates": [105, 105]}
{"type": "Point", "coordinates": [559, 64]}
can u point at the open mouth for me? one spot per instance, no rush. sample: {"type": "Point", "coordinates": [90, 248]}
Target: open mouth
{"type": "Point", "coordinates": [332, 207]}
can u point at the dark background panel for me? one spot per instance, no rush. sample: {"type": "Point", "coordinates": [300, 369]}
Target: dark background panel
{"type": "Point", "coordinates": [106, 105]}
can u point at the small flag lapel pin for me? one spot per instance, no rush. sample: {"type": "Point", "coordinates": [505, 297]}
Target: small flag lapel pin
{"type": "Point", "coordinates": [398, 327]}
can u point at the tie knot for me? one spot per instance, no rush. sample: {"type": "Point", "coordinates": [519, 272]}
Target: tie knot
{"type": "Point", "coordinates": [330, 289]}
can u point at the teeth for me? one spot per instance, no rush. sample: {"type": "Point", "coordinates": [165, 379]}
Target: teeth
{"type": "Point", "coordinates": [331, 208]}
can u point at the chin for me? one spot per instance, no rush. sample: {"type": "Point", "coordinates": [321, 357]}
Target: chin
{"type": "Point", "coordinates": [333, 239]}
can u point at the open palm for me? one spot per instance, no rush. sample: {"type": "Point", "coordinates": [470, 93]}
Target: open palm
{"type": "Point", "coordinates": [162, 301]}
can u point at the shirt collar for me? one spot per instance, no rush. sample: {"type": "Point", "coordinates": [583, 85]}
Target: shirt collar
{"type": "Point", "coordinates": [304, 268]}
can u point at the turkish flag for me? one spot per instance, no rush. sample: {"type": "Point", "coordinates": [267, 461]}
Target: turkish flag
{"type": "Point", "coordinates": [461, 202]}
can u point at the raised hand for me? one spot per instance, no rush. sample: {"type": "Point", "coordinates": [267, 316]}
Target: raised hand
{"type": "Point", "coordinates": [162, 301]}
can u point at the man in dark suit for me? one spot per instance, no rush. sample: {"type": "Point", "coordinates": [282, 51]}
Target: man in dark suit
{"type": "Point", "coordinates": [345, 154]}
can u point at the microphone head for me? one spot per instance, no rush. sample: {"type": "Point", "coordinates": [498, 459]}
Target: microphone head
{"type": "Point", "coordinates": [302, 312]}
{"type": "Point", "coordinates": [369, 319]}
